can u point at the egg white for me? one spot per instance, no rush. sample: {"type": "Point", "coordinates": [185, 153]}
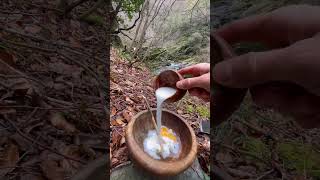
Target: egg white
{"type": "Point", "coordinates": [170, 148]}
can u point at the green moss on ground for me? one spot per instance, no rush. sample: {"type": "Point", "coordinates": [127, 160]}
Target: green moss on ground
{"type": "Point", "coordinates": [189, 108]}
{"type": "Point", "coordinates": [258, 149]}
{"type": "Point", "coordinates": [203, 111]}
{"type": "Point", "coordinates": [300, 157]}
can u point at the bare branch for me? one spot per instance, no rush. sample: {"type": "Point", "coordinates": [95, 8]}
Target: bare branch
{"type": "Point", "coordinates": [126, 35]}
{"type": "Point", "coordinates": [193, 9]}
{"type": "Point", "coordinates": [131, 27]}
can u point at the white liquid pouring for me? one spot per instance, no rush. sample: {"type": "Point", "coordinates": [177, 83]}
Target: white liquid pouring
{"type": "Point", "coordinates": [162, 94]}
{"type": "Point", "coordinates": [170, 142]}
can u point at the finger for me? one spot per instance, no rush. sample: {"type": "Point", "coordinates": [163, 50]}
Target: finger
{"type": "Point", "coordinates": [196, 70]}
{"type": "Point", "coordinates": [246, 29]}
{"type": "Point", "coordinates": [202, 81]}
{"type": "Point", "coordinates": [253, 68]}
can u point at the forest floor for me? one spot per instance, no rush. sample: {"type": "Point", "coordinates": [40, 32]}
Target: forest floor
{"type": "Point", "coordinates": [52, 116]}
{"type": "Point", "coordinates": [127, 86]}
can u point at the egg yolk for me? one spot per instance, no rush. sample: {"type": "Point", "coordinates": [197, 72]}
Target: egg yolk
{"type": "Point", "coordinates": [165, 133]}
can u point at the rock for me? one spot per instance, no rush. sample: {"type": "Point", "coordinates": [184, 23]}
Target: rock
{"type": "Point", "coordinates": [130, 171]}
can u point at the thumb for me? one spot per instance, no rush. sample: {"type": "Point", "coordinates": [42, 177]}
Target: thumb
{"type": "Point", "coordinates": [202, 81]}
{"type": "Point", "coordinates": [252, 68]}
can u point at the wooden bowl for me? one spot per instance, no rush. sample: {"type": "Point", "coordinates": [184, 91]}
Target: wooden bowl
{"type": "Point", "coordinates": [136, 132]}
{"type": "Point", "coordinates": [169, 78]}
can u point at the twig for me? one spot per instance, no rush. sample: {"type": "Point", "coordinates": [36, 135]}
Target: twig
{"type": "Point", "coordinates": [265, 174]}
{"type": "Point", "coordinates": [47, 8]}
{"type": "Point", "coordinates": [29, 46]}
{"type": "Point", "coordinates": [126, 35]}
{"type": "Point", "coordinates": [93, 8]}
{"type": "Point", "coordinates": [41, 108]}
{"type": "Point", "coordinates": [22, 13]}
{"type": "Point", "coordinates": [73, 5]}
{"type": "Point", "coordinates": [24, 154]}
{"type": "Point", "coordinates": [41, 145]}
{"type": "Point", "coordinates": [20, 73]}
{"type": "Point", "coordinates": [71, 49]}
{"type": "Point", "coordinates": [86, 68]}
{"type": "Point", "coordinates": [244, 153]}
{"type": "Point", "coordinates": [259, 130]}
{"type": "Point", "coordinates": [132, 26]}
{"type": "Point", "coordinates": [22, 76]}
{"type": "Point", "coordinates": [152, 117]}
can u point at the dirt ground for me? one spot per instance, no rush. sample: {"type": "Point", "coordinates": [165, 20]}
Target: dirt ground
{"type": "Point", "coordinates": [52, 115]}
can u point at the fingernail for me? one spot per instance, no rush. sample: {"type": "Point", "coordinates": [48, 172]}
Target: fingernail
{"type": "Point", "coordinates": [222, 72]}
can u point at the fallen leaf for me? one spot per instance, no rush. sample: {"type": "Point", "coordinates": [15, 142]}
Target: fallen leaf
{"type": "Point", "coordinates": [51, 170]}
{"type": "Point", "coordinates": [116, 139]}
{"type": "Point", "coordinates": [119, 121]}
{"type": "Point", "coordinates": [129, 83]}
{"type": "Point", "coordinates": [115, 87]}
{"type": "Point", "coordinates": [129, 100]}
{"type": "Point", "coordinates": [22, 143]}
{"type": "Point", "coordinates": [69, 165]}
{"type": "Point", "coordinates": [179, 111]}
{"type": "Point", "coordinates": [10, 157]}
{"type": "Point", "coordinates": [7, 57]}
{"type": "Point", "coordinates": [65, 69]}
{"type": "Point", "coordinates": [74, 42]}
{"type": "Point", "coordinates": [122, 141]}
{"type": "Point", "coordinates": [33, 29]}
{"type": "Point", "coordinates": [113, 122]}
{"type": "Point", "coordinates": [58, 120]}
{"type": "Point", "coordinates": [113, 111]}
{"type": "Point", "coordinates": [127, 115]}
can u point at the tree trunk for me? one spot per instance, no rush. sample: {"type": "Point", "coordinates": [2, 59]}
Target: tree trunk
{"type": "Point", "coordinates": [98, 4]}
{"type": "Point", "coordinates": [133, 44]}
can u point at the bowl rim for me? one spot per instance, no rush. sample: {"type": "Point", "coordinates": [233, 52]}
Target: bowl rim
{"type": "Point", "coordinates": [158, 167]}
{"type": "Point", "coordinates": [180, 92]}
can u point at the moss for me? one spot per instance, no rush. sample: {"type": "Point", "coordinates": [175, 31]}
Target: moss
{"type": "Point", "coordinates": [203, 111]}
{"type": "Point", "coordinates": [189, 108]}
{"type": "Point", "coordinates": [300, 157]}
{"type": "Point", "coordinates": [94, 19]}
{"type": "Point", "coordinates": [258, 149]}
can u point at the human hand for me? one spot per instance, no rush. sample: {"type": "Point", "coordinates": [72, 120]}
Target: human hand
{"type": "Point", "coordinates": [199, 84]}
{"type": "Point", "coordinates": [276, 29]}
{"type": "Point", "coordinates": [294, 68]}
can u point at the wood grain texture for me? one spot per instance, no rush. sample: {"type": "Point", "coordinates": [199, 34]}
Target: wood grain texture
{"type": "Point", "coordinates": [137, 130]}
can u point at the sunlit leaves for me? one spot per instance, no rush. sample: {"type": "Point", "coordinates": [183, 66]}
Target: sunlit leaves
{"type": "Point", "coordinates": [130, 7]}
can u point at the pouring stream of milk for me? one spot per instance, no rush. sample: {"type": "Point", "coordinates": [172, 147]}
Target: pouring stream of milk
{"type": "Point", "coordinates": [162, 94]}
